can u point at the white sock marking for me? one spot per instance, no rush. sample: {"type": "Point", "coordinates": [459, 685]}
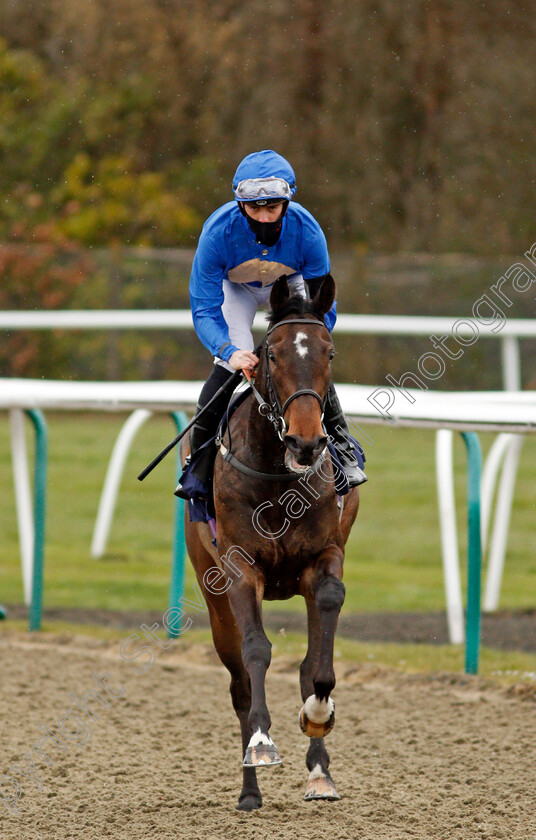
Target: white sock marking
{"type": "Point", "coordinates": [319, 711]}
{"type": "Point", "coordinates": [316, 773]}
{"type": "Point", "coordinates": [259, 738]}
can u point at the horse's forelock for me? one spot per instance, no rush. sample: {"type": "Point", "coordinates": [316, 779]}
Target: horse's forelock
{"type": "Point", "coordinates": [296, 305]}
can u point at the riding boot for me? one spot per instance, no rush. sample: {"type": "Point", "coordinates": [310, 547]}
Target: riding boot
{"type": "Point", "coordinates": [337, 428]}
{"type": "Point", "coordinates": [207, 426]}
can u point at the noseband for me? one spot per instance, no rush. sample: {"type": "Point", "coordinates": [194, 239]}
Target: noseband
{"type": "Point", "coordinates": [273, 409]}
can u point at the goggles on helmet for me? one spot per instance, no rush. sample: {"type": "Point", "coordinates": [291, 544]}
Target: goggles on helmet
{"type": "Point", "coordinates": [263, 189]}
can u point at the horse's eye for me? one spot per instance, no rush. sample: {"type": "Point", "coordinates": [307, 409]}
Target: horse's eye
{"type": "Point", "coordinates": [271, 356]}
{"type": "Point", "coordinates": [331, 354]}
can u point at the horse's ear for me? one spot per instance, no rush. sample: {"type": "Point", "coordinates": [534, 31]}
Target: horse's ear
{"type": "Point", "coordinates": [323, 300]}
{"type": "Point", "coordinates": [280, 293]}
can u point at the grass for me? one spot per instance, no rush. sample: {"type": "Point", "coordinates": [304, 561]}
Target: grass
{"type": "Point", "coordinates": [393, 560]}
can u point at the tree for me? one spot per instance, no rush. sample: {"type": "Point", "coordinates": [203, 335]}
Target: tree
{"type": "Point", "coordinates": [39, 271]}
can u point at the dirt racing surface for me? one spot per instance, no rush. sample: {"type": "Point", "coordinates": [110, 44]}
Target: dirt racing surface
{"type": "Point", "coordinates": [441, 756]}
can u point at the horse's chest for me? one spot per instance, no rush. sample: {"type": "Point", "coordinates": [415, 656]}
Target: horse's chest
{"type": "Point", "coordinates": [283, 563]}
{"type": "Point", "coordinates": [285, 534]}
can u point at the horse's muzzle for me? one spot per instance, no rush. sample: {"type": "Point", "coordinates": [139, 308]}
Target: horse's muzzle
{"type": "Point", "coordinates": [305, 452]}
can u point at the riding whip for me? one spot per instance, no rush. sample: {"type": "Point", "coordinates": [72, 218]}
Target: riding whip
{"type": "Point", "coordinates": [234, 379]}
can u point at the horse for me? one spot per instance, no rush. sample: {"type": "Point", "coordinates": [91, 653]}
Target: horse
{"type": "Point", "coordinates": [280, 532]}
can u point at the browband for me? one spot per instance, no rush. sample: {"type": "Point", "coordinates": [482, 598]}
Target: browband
{"type": "Point", "coordinates": [297, 321]}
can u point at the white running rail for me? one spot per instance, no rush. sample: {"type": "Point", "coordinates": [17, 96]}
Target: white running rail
{"type": "Point", "coordinates": [501, 465]}
{"type": "Point", "coordinates": [479, 411]}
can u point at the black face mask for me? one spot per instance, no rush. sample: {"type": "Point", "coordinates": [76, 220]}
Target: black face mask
{"type": "Point", "coordinates": [267, 233]}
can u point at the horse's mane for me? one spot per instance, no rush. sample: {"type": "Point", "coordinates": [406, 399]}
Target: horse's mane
{"type": "Point", "coordinates": [296, 305]}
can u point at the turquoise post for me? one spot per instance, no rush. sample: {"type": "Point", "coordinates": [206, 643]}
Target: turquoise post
{"type": "Point", "coordinates": [40, 486]}
{"type": "Point", "coordinates": [176, 589]}
{"type": "Point", "coordinates": [474, 552]}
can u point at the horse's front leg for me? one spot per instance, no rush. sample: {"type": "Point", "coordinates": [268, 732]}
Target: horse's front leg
{"type": "Point", "coordinates": [317, 715]}
{"type": "Point", "coordinates": [246, 599]}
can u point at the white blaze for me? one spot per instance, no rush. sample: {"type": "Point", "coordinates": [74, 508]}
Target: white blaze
{"type": "Point", "coordinates": [301, 350]}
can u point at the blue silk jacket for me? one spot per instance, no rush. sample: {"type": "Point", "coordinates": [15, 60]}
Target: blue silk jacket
{"type": "Point", "coordinates": [227, 249]}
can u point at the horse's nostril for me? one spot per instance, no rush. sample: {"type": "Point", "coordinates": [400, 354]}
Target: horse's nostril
{"type": "Point", "coordinates": [292, 444]}
{"type": "Point", "coordinates": [305, 451]}
{"type": "Point", "coordinates": [322, 443]}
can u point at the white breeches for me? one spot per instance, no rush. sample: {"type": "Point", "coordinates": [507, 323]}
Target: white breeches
{"type": "Point", "coordinates": [240, 305]}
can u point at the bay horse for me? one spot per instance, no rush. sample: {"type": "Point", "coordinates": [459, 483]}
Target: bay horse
{"type": "Point", "coordinates": [279, 533]}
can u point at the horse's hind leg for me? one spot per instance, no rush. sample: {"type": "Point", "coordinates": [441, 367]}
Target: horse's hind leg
{"type": "Point", "coordinates": [324, 584]}
{"type": "Point", "coordinates": [317, 716]}
{"type": "Point", "coordinates": [319, 785]}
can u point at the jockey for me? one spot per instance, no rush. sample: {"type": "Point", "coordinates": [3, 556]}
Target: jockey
{"type": "Point", "coordinates": [243, 248]}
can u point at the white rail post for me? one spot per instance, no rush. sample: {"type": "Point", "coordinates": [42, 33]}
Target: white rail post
{"type": "Point", "coordinates": [23, 499]}
{"type": "Point", "coordinates": [449, 538]}
{"type": "Point", "coordinates": [499, 537]}
{"type": "Point", "coordinates": [511, 370]}
{"type": "Point", "coordinates": [112, 481]}
{"type": "Point", "coordinates": [511, 363]}
{"type": "Point", "coordinates": [494, 463]}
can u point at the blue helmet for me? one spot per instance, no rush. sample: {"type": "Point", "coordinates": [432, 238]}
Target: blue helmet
{"type": "Point", "coordinates": [264, 177]}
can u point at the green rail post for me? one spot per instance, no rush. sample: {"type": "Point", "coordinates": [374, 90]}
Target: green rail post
{"type": "Point", "coordinates": [176, 589]}
{"type": "Point", "coordinates": [474, 552]}
{"type": "Point", "coordinates": [40, 488]}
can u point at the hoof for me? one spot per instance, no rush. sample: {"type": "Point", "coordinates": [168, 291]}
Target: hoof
{"type": "Point", "coordinates": [317, 717]}
{"type": "Point", "coordinates": [261, 751]}
{"type": "Point", "coordinates": [320, 786]}
{"type": "Point", "coordinates": [249, 802]}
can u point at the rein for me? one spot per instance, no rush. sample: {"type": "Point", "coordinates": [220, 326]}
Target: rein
{"type": "Point", "coordinates": [273, 411]}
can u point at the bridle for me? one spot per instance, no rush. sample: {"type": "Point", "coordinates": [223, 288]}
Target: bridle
{"type": "Point", "coordinates": [273, 410]}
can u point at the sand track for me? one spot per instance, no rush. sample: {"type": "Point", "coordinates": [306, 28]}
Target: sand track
{"type": "Point", "coordinates": [434, 756]}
